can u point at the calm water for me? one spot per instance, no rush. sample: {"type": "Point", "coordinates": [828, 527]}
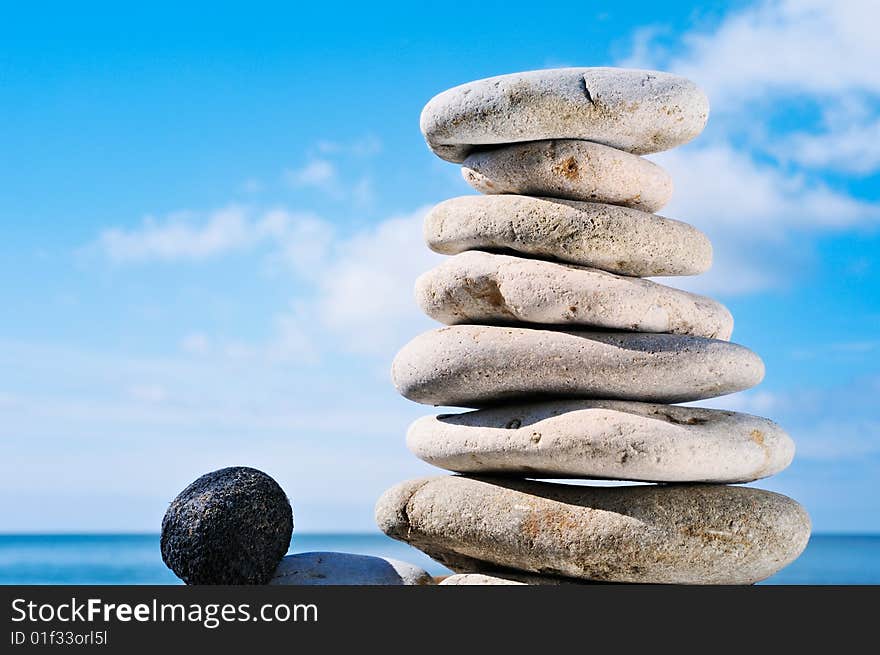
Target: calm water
{"type": "Point", "coordinates": [135, 559]}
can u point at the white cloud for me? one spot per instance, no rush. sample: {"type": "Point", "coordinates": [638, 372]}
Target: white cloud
{"type": "Point", "coordinates": [839, 440]}
{"type": "Point", "coordinates": [177, 237]}
{"type": "Point", "coordinates": [362, 193]}
{"type": "Point", "coordinates": [718, 185]}
{"type": "Point", "coordinates": [819, 47]}
{"type": "Point", "coordinates": [818, 57]}
{"type": "Point", "coordinates": [192, 236]}
{"type": "Point", "coordinates": [365, 146]}
{"type": "Point", "coordinates": [302, 240]}
{"type": "Point", "coordinates": [148, 393]}
{"type": "Point", "coordinates": [750, 210]}
{"type": "Point", "coordinates": [293, 339]}
{"type": "Point", "coordinates": [366, 286]}
{"type": "Point", "coordinates": [196, 344]}
{"type": "Point", "coordinates": [327, 160]}
{"type": "Point", "coordinates": [8, 400]}
{"type": "Point", "coordinates": [318, 173]}
{"type": "Point", "coordinates": [357, 286]}
{"type": "Point", "coordinates": [752, 190]}
{"type": "Point", "coordinates": [852, 148]}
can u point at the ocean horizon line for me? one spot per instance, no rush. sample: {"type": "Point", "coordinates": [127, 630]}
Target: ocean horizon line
{"type": "Point", "coordinates": [364, 533]}
{"type": "Point", "coordinates": [139, 533]}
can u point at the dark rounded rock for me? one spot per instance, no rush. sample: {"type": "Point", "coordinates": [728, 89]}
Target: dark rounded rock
{"type": "Point", "coordinates": [231, 526]}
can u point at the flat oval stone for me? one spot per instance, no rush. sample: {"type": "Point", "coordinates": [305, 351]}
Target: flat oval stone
{"type": "Point", "coordinates": [347, 569]}
{"type": "Point", "coordinates": [608, 237]}
{"type": "Point", "coordinates": [566, 168]}
{"type": "Point", "coordinates": [672, 534]}
{"type": "Point", "coordinates": [637, 111]}
{"type": "Point", "coordinates": [619, 440]}
{"type": "Point", "coordinates": [477, 365]}
{"type": "Point", "coordinates": [480, 287]}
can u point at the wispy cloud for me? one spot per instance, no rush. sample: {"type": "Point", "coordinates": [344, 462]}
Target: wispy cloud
{"type": "Point", "coordinates": [750, 210]}
{"type": "Point", "coordinates": [833, 439]}
{"type": "Point", "coordinates": [752, 190]}
{"type": "Point", "coordinates": [834, 423]}
{"type": "Point", "coordinates": [778, 47]}
{"type": "Point", "coordinates": [851, 148]}
{"type": "Point", "coordinates": [179, 237]}
{"type": "Point", "coordinates": [340, 169]}
{"type": "Point", "coordinates": [318, 173]}
{"type": "Point", "coordinates": [188, 235]}
{"type": "Point", "coordinates": [365, 289]}
{"type": "Point", "coordinates": [365, 146]}
{"type": "Point", "coordinates": [356, 286]}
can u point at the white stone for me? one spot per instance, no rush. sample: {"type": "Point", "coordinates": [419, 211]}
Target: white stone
{"type": "Point", "coordinates": [565, 168]}
{"type": "Point", "coordinates": [608, 237]}
{"type": "Point", "coordinates": [637, 111]}
{"type": "Point", "coordinates": [347, 569]}
{"type": "Point", "coordinates": [475, 365]}
{"type": "Point", "coordinates": [611, 439]}
{"type": "Point", "coordinates": [480, 287]}
{"type": "Point", "coordinates": [668, 534]}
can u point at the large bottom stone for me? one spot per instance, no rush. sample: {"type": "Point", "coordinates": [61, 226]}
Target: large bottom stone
{"type": "Point", "coordinates": [677, 534]}
{"type": "Point", "coordinates": [620, 440]}
{"type": "Point", "coordinates": [347, 569]}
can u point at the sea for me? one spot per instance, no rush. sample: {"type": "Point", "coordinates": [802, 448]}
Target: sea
{"type": "Point", "coordinates": [113, 559]}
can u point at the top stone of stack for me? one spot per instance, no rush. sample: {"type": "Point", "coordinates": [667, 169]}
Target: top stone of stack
{"type": "Point", "coordinates": [632, 110]}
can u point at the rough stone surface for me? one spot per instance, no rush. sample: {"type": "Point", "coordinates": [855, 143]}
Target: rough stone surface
{"type": "Point", "coordinates": [520, 579]}
{"type": "Point", "coordinates": [474, 366]}
{"type": "Point", "coordinates": [347, 569]}
{"type": "Point", "coordinates": [577, 170]}
{"type": "Point", "coordinates": [678, 534]}
{"type": "Point", "coordinates": [633, 110]}
{"type": "Point", "coordinates": [609, 237]}
{"type": "Point", "coordinates": [230, 526]}
{"type": "Point", "coordinates": [604, 439]}
{"type": "Point", "coordinates": [480, 287]}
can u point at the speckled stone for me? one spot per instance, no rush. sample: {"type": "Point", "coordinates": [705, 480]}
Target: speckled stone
{"type": "Point", "coordinates": [565, 168]}
{"type": "Point", "coordinates": [637, 111]}
{"type": "Point", "coordinates": [347, 569]}
{"type": "Point", "coordinates": [474, 366]}
{"type": "Point", "coordinates": [480, 287]}
{"type": "Point", "coordinates": [229, 527]}
{"type": "Point", "coordinates": [620, 440]}
{"type": "Point", "coordinates": [609, 237]}
{"type": "Point", "coordinates": [677, 534]}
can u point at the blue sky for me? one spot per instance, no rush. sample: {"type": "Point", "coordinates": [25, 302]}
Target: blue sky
{"type": "Point", "coordinates": [211, 226]}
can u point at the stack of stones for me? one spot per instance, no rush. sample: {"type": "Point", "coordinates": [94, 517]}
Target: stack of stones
{"type": "Point", "coordinates": [573, 360]}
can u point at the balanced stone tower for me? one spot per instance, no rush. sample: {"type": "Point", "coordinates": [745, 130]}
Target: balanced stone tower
{"type": "Point", "coordinates": [572, 360]}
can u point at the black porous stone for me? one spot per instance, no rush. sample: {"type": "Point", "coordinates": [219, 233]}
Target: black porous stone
{"type": "Point", "coordinates": [230, 527]}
